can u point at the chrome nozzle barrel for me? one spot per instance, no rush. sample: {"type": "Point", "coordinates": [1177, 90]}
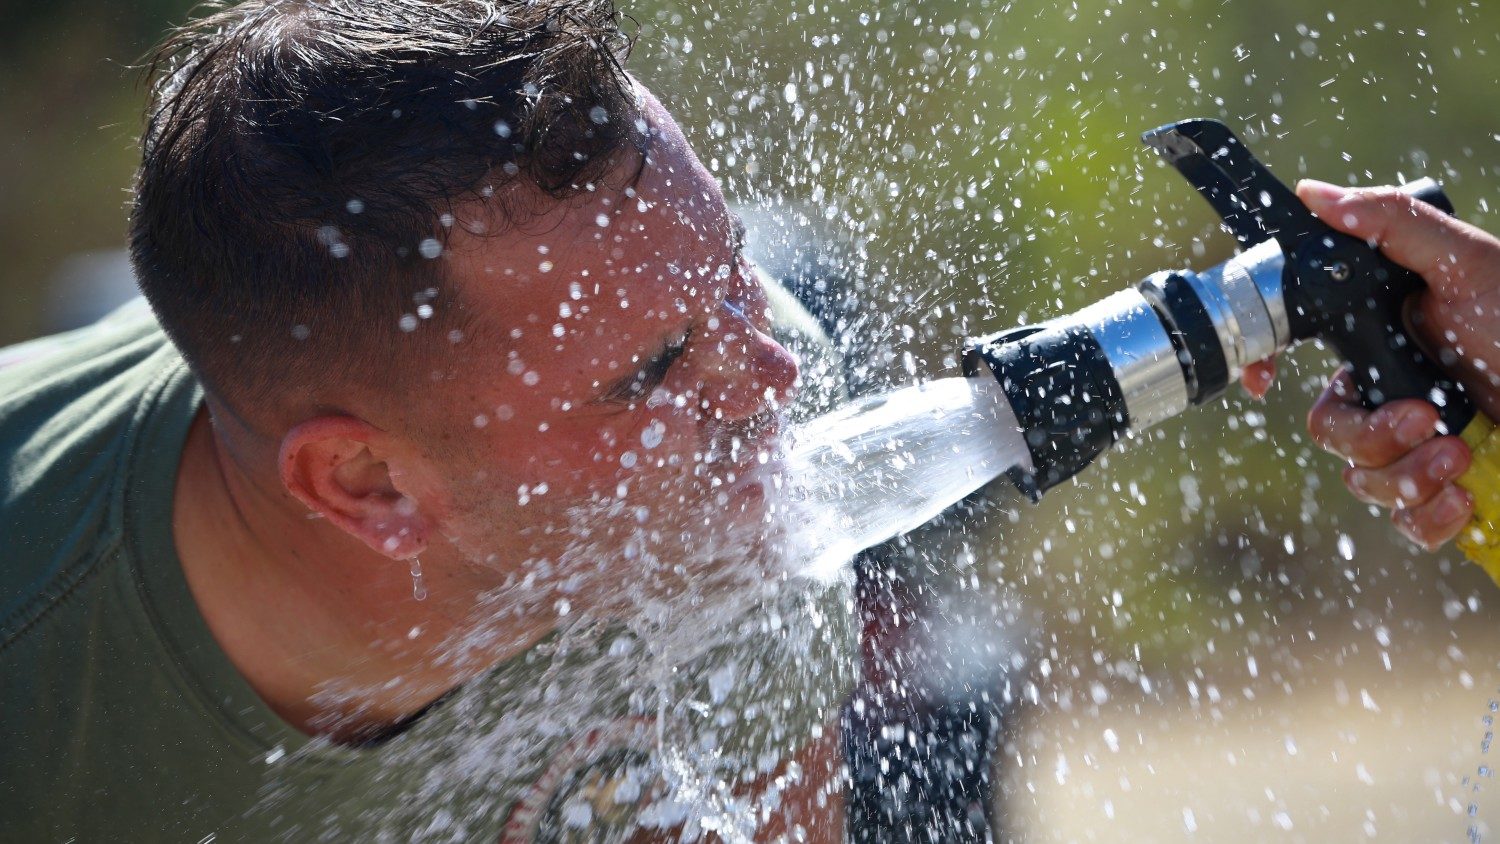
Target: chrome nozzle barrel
{"type": "Point", "coordinates": [1241, 298]}
{"type": "Point", "coordinates": [1141, 355]}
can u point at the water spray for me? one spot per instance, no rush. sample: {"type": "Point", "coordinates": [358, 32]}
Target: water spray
{"type": "Point", "coordinates": [1077, 384]}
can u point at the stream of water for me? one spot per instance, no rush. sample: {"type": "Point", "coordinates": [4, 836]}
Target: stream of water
{"type": "Point", "coordinates": [889, 463]}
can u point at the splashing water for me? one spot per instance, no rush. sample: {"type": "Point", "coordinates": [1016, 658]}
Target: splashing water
{"type": "Point", "coordinates": [887, 464]}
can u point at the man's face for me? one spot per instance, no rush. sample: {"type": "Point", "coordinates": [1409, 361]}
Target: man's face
{"type": "Point", "coordinates": [621, 390]}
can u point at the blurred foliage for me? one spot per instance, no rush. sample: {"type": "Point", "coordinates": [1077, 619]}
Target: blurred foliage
{"type": "Point", "coordinates": [70, 109]}
{"type": "Point", "coordinates": [983, 158]}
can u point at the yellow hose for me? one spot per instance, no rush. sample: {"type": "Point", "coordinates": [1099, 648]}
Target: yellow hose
{"type": "Point", "coordinates": [1480, 541]}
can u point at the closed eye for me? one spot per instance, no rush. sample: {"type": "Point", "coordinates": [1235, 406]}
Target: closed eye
{"type": "Point", "coordinates": [648, 377]}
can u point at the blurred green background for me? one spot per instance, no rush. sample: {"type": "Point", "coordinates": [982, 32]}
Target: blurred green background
{"type": "Point", "coordinates": [978, 165]}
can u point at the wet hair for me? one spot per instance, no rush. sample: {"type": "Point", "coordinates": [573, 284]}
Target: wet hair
{"type": "Point", "coordinates": [302, 160]}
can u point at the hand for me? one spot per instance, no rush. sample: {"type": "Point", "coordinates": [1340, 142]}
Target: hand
{"type": "Point", "coordinates": [1398, 461]}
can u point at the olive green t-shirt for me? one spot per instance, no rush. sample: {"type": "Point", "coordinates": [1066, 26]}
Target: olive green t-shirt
{"type": "Point", "coordinates": [122, 720]}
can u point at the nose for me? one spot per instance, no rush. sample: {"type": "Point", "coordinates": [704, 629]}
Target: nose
{"type": "Point", "coordinates": [745, 370]}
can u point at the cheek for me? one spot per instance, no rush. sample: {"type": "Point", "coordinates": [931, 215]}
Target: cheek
{"type": "Point", "coordinates": [515, 462]}
{"type": "Point", "coordinates": [652, 442]}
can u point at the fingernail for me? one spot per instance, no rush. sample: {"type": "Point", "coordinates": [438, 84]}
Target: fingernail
{"type": "Point", "coordinates": [1406, 489]}
{"type": "Point", "coordinates": [1413, 427]}
{"type": "Point", "coordinates": [1444, 465]}
{"type": "Point", "coordinates": [1452, 503]}
{"type": "Point", "coordinates": [1356, 481]}
{"type": "Point", "coordinates": [1319, 193]}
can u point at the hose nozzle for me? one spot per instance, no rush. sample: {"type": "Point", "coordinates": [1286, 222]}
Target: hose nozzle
{"type": "Point", "coordinates": [1080, 383]}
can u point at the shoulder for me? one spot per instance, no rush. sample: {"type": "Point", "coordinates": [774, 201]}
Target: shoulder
{"type": "Point", "coordinates": [71, 406]}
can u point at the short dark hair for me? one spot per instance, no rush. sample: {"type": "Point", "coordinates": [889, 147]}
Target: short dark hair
{"type": "Point", "coordinates": [302, 158]}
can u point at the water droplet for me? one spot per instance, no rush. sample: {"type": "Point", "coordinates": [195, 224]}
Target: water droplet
{"type": "Point", "coordinates": [418, 588]}
{"type": "Point", "coordinates": [652, 434]}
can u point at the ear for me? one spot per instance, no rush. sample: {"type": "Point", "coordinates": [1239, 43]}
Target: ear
{"type": "Point", "coordinates": [341, 468]}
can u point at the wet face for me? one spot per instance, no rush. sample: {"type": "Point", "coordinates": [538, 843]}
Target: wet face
{"type": "Point", "coordinates": [620, 386]}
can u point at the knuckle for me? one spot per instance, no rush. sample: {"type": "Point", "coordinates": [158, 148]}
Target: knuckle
{"type": "Point", "coordinates": [1409, 492]}
{"type": "Point", "coordinates": [1342, 450]}
{"type": "Point", "coordinates": [1369, 452]}
{"type": "Point", "coordinates": [1388, 196]}
{"type": "Point", "coordinates": [1355, 483]}
{"type": "Point", "coordinates": [1383, 418]}
{"type": "Point", "coordinates": [1369, 487]}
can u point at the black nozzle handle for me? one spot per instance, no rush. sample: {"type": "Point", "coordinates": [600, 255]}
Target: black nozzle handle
{"type": "Point", "coordinates": [1252, 202]}
{"type": "Point", "coordinates": [1347, 292]}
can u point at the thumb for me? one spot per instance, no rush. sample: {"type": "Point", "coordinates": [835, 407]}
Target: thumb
{"type": "Point", "coordinates": [1458, 260]}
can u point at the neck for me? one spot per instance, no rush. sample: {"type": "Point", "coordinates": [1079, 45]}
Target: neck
{"type": "Point", "coordinates": [332, 635]}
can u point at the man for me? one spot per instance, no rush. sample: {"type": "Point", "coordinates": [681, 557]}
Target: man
{"type": "Point", "coordinates": [441, 513]}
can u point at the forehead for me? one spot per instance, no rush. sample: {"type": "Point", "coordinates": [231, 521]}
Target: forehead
{"type": "Point", "coordinates": [660, 208]}
{"type": "Point", "coordinates": [616, 265]}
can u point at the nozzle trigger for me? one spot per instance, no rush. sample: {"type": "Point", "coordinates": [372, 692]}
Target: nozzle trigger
{"type": "Point", "coordinates": [1253, 203]}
